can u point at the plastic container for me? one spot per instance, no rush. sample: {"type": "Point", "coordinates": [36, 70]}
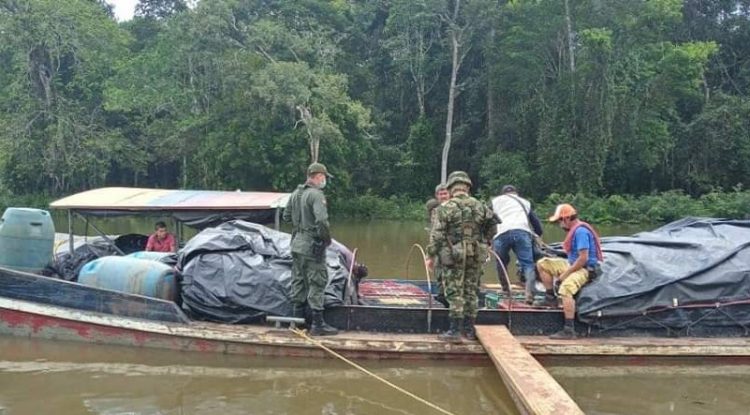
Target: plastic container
{"type": "Point", "coordinates": [149, 255]}
{"type": "Point", "coordinates": [27, 239]}
{"type": "Point", "coordinates": [131, 275]}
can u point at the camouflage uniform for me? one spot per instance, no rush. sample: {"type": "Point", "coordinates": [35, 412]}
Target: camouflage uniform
{"type": "Point", "coordinates": [462, 229]}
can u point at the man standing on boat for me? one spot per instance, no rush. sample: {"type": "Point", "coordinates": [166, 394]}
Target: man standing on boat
{"type": "Point", "coordinates": [441, 196]}
{"type": "Point", "coordinates": [311, 235]}
{"type": "Point", "coordinates": [584, 252]}
{"type": "Point", "coordinates": [516, 231]}
{"type": "Point", "coordinates": [459, 238]}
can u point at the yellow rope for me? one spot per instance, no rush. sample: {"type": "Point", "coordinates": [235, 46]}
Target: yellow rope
{"type": "Point", "coordinates": [304, 335]}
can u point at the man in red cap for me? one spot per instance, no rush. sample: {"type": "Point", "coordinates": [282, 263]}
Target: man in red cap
{"type": "Point", "coordinates": [584, 254]}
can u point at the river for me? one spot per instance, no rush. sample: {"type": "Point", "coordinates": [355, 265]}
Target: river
{"type": "Point", "coordinates": [40, 377]}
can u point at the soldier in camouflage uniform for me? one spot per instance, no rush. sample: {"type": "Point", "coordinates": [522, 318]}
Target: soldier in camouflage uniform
{"type": "Point", "coordinates": [311, 235]}
{"type": "Point", "coordinates": [441, 196]}
{"type": "Point", "coordinates": [459, 238]}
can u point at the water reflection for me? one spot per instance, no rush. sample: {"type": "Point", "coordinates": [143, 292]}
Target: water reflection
{"type": "Point", "coordinates": [79, 378]}
{"type": "Point", "coordinates": [676, 388]}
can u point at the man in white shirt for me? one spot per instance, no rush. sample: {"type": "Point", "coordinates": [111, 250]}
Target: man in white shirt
{"type": "Point", "coordinates": [519, 224]}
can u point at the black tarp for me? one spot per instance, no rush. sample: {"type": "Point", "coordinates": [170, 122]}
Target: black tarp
{"type": "Point", "coordinates": [66, 266]}
{"type": "Point", "coordinates": [690, 273]}
{"type": "Point", "coordinates": [239, 271]}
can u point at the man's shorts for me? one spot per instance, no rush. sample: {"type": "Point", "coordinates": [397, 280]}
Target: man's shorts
{"type": "Point", "coordinates": [573, 283]}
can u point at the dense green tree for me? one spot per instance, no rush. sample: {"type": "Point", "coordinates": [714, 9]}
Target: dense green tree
{"type": "Point", "coordinates": [589, 96]}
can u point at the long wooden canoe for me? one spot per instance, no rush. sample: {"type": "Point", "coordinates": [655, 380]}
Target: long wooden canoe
{"type": "Point", "coordinates": [39, 307]}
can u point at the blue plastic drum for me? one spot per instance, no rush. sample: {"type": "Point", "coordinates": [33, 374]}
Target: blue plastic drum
{"type": "Point", "coordinates": [131, 275]}
{"type": "Point", "coordinates": [27, 238]}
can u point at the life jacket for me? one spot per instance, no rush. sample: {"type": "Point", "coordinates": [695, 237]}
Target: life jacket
{"type": "Point", "coordinates": [568, 242]}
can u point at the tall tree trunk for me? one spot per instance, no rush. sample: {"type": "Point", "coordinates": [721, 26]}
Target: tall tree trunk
{"type": "Point", "coordinates": [456, 63]}
{"type": "Point", "coordinates": [490, 96]}
{"type": "Point", "coordinates": [569, 35]}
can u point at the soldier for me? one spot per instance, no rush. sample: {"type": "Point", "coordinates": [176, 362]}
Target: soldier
{"type": "Point", "coordinates": [441, 196]}
{"type": "Point", "coordinates": [311, 235]}
{"type": "Point", "coordinates": [459, 238]}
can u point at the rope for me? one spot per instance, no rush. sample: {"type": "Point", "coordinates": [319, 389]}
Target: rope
{"type": "Point", "coordinates": [429, 282]}
{"type": "Point", "coordinates": [304, 335]}
{"type": "Point", "coordinates": [510, 290]}
{"type": "Point", "coordinates": [349, 279]}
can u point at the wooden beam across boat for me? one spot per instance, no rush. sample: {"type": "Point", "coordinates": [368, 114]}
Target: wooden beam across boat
{"type": "Point", "coordinates": [638, 346]}
{"type": "Point", "coordinates": [532, 388]}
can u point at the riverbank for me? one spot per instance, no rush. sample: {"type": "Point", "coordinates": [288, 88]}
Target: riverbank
{"type": "Point", "coordinates": [616, 209]}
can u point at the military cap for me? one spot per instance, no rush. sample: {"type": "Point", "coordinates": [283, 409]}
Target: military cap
{"type": "Point", "coordinates": [318, 168]}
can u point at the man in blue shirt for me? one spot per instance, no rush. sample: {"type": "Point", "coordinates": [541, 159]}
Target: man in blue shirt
{"type": "Point", "coordinates": [584, 253]}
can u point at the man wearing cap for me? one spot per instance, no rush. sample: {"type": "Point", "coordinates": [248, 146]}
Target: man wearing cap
{"type": "Point", "coordinates": [441, 196]}
{"type": "Point", "coordinates": [311, 236]}
{"type": "Point", "coordinates": [459, 237]}
{"type": "Point", "coordinates": [519, 224]}
{"type": "Point", "coordinates": [584, 252]}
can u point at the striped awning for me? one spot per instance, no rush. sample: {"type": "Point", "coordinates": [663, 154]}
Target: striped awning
{"type": "Point", "coordinates": [155, 200]}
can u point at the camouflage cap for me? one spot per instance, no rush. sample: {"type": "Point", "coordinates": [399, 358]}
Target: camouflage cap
{"type": "Point", "coordinates": [458, 177]}
{"type": "Point", "coordinates": [318, 168]}
{"type": "Point", "coordinates": [440, 187]}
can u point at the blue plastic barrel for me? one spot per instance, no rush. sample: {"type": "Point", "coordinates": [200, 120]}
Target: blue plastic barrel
{"type": "Point", "coordinates": [149, 255]}
{"type": "Point", "coordinates": [131, 275]}
{"type": "Point", "coordinates": [27, 238]}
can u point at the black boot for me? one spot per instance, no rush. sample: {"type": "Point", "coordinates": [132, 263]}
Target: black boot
{"type": "Point", "coordinates": [319, 327]}
{"type": "Point", "coordinates": [453, 335]}
{"type": "Point", "coordinates": [567, 333]}
{"type": "Point", "coordinates": [469, 332]}
{"type": "Point", "coordinates": [549, 300]}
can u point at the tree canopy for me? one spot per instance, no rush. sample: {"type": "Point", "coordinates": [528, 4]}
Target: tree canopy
{"type": "Point", "coordinates": [595, 96]}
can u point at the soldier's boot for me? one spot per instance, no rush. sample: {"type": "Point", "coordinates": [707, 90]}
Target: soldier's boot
{"type": "Point", "coordinates": [469, 331]}
{"type": "Point", "coordinates": [453, 334]}
{"type": "Point", "coordinates": [529, 286]}
{"type": "Point", "coordinates": [319, 326]}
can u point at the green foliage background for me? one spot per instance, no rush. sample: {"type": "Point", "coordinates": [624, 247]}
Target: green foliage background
{"type": "Point", "coordinates": [647, 119]}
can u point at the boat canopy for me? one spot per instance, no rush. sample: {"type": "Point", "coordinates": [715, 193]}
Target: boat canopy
{"type": "Point", "coordinates": [195, 208]}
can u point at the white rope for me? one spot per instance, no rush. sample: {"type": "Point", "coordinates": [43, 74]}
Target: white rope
{"type": "Point", "coordinates": [304, 335]}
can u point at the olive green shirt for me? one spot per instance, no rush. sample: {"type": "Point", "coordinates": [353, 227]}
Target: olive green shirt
{"type": "Point", "coordinates": [308, 212]}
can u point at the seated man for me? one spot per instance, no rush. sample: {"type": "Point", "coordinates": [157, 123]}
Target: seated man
{"type": "Point", "coordinates": [584, 254]}
{"type": "Point", "coordinates": [161, 240]}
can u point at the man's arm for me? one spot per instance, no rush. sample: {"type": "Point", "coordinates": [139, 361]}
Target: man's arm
{"type": "Point", "coordinates": [173, 243]}
{"type": "Point", "coordinates": [583, 257]}
{"type": "Point", "coordinates": [536, 224]}
{"type": "Point", "coordinates": [320, 211]}
{"type": "Point", "coordinates": [150, 243]}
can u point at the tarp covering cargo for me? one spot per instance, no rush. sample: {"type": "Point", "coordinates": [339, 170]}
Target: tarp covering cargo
{"type": "Point", "coordinates": [692, 274]}
{"type": "Point", "coordinates": [239, 271]}
{"type": "Point", "coordinates": [85, 249]}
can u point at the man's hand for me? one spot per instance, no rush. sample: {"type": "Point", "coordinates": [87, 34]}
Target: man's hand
{"type": "Point", "coordinates": [428, 263]}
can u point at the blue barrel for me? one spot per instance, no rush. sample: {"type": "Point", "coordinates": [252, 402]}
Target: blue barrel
{"type": "Point", "coordinates": [27, 238]}
{"type": "Point", "coordinates": [131, 275]}
{"type": "Point", "coordinates": [149, 255]}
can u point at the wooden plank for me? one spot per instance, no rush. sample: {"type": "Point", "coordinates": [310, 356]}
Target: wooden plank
{"type": "Point", "coordinates": [532, 388]}
{"type": "Point", "coordinates": [638, 346]}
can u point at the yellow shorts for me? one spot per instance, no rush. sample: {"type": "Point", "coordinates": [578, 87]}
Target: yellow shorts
{"type": "Point", "coordinates": [573, 283]}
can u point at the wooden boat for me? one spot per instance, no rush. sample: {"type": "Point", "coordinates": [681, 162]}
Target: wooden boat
{"type": "Point", "coordinates": [40, 307]}
{"type": "Point", "coordinates": [395, 323]}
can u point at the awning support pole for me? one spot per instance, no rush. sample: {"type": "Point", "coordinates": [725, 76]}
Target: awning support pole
{"type": "Point", "coordinates": [71, 243]}
{"type": "Point", "coordinates": [106, 238]}
{"type": "Point", "coordinates": [277, 218]}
